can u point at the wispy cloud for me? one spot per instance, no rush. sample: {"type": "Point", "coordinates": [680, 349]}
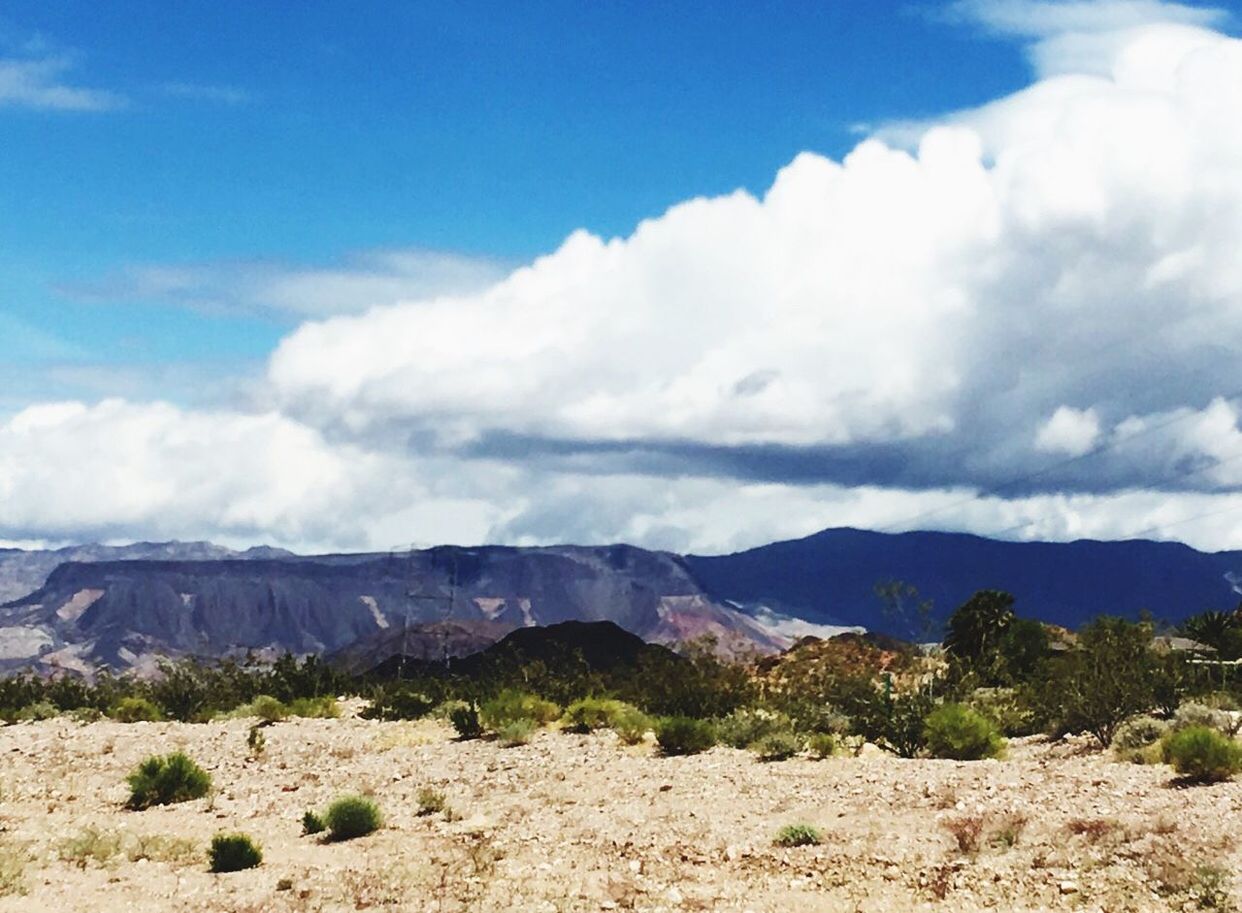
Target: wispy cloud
{"type": "Point", "coordinates": [1078, 36]}
{"type": "Point", "coordinates": [221, 95]}
{"type": "Point", "coordinates": [279, 289]}
{"type": "Point", "coordinates": [40, 83]}
{"type": "Point", "coordinates": [1045, 18]}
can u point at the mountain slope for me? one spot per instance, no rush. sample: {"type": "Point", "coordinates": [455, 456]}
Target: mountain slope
{"type": "Point", "coordinates": [22, 571]}
{"type": "Point", "coordinates": [126, 613]}
{"type": "Point", "coordinates": [829, 577]}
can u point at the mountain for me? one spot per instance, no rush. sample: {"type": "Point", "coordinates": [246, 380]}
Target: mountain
{"type": "Point", "coordinates": [599, 646]}
{"type": "Point", "coordinates": [125, 607]}
{"type": "Point", "coordinates": [830, 577]}
{"type": "Point", "coordinates": [23, 571]}
{"type": "Point", "coordinates": [125, 614]}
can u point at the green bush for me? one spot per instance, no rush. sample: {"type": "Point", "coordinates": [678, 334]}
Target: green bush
{"type": "Point", "coordinates": [896, 722]}
{"type": "Point", "coordinates": [516, 732]}
{"type": "Point", "coordinates": [135, 710]}
{"type": "Point", "coordinates": [1202, 754]}
{"type": "Point", "coordinates": [312, 823]}
{"type": "Point", "coordinates": [955, 731]}
{"type": "Point", "coordinates": [1006, 709]}
{"type": "Point", "coordinates": [631, 725]}
{"type": "Point", "coordinates": [350, 817]}
{"type": "Point", "coordinates": [799, 835]}
{"type": "Point", "coordinates": [591, 713]}
{"type": "Point", "coordinates": [1139, 732]}
{"type": "Point", "coordinates": [512, 706]}
{"type": "Point", "coordinates": [268, 709]}
{"type": "Point", "coordinates": [683, 735]}
{"type": "Point", "coordinates": [40, 710]}
{"type": "Point", "coordinates": [166, 780]}
{"type": "Point", "coordinates": [465, 719]}
{"type": "Point", "coordinates": [747, 725]}
{"type": "Point", "coordinates": [398, 702]}
{"type": "Point", "coordinates": [777, 746]}
{"type": "Point", "coordinates": [431, 801]}
{"type": "Point", "coordinates": [315, 708]}
{"type": "Point", "coordinates": [1195, 714]}
{"type": "Point", "coordinates": [822, 745]}
{"type": "Point", "coordinates": [233, 853]}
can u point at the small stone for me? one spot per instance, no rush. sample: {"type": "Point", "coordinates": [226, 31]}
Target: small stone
{"type": "Point", "coordinates": [1068, 887]}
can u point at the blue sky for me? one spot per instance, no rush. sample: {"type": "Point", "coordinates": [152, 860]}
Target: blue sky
{"type": "Point", "coordinates": [304, 133]}
{"type": "Point", "coordinates": [692, 275]}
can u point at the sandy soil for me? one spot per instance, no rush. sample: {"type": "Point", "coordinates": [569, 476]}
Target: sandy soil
{"type": "Point", "coordinates": [574, 822]}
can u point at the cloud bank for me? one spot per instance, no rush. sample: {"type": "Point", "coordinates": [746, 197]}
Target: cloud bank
{"type": "Point", "coordinates": [1020, 320]}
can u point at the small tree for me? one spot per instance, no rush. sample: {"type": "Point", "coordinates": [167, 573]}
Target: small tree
{"type": "Point", "coordinates": [1104, 682]}
{"type": "Point", "coordinates": [974, 631]}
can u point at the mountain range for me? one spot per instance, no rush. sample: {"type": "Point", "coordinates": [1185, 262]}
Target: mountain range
{"type": "Point", "coordinates": [127, 606]}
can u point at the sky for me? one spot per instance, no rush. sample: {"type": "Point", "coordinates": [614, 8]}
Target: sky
{"type": "Point", "coordinates": [693, 276]}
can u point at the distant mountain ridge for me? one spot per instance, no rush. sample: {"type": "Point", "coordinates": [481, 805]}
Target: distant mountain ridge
{"type": "Point", "coordinates": [830, 577]}
{"type": "Point", "coordinates": [126, 614]}
{"type": "Point", "coordinates": [127, 606]}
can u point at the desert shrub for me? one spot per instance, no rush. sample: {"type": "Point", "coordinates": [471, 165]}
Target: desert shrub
{"type": "Point", "coordinates": [465, 719]}
{"type": "Point", "coordinates": [1139, 732]}
{"type": "Point", "coordinates": [777, 746]}
{"type": "Point", "coordinates": [1202, 754]}
{"type": "Point", "coordinates": [798, 835]}
{"type": "Point", "coordinates": [431, 801]}
{"type": "Point", "coordinates": [135, 709]}
{"type": "Point", "coordinates": [13, 861]}
{"type": "Point", "coordinates": [268, 709]}
{"type": "Point", "coordinates": [683, 735]}
{"type": "Point", "coordinates": [398, 702]}
{"type": "Point", "coordinates": [896, 723]}
{"type": "Point", "coordinates": [955, 731]}
{"type": "Point", "coordinates": [315, 708]}
{"type": "Point", "coordinates": [86, 715]}
{"type": "Point", "coordinates": [1005, 707]}
{"type": "Point", "coordinates": [1102, 683]}
{"type": "Point", "coordinates": [631, 725]}
{"type": "Point", "coordinates": [1008, 830]}
{"type": "Point", "coordinates": [350, 817]}
{"type": "Point", "coordinates": [89, 845]}
{"type": "Point", "coordinates": [166, 780]}
{"type": "Point", "coordinates": [312, 823]}
{"type": "Point", "coordinates": [591, 713]}
{"type": "Point", "coordinates": [516, 732]}
{"type": "Point", "coordinates": [256, 742]}
{"type": "Point", "coordinates": [513, 706]}
{"type": "Point", "coordinates": [233, 853]}
{"type": "Point", "coordinates": [822, 745]}
{"type": "Point", "coordinates": [965, 831]}
{"type": "Point", "coordinates": [1196, 714]}
{"type": "Point", "coordinates": [160, 848]}
{"type": "Point", "coordinates": [747, 725]}
{"type": "Point", "coordinates": [40, 710]}
{"type": "Point", "coordinates": [1092, 829]}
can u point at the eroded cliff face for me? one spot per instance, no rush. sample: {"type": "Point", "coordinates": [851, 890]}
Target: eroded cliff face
{"type": "Point", "coordinates": [126, 614]}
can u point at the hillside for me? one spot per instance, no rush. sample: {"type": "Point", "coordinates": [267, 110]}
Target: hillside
{"type": "Point", "coordinates": [126, 613]}
{"type": "Point", "coordinates": [829, 577]}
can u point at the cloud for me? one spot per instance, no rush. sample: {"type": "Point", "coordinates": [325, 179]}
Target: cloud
{"type": "Point", "coordinates": [156, 471]}
{"type": "Point", "coordinates": [1069, 431]}
{"type": "Point", "coordinates": [929, 309]}
{"type": "Point", "coordinates": [70, 471]}
{"type": "Point", "coordinates": [38, 82]}
{"type": "Point", "coordinates": [1080, 36]}
{"type": "Point", "coordinates": [279, 289]}
{"type": "Point", "coordinates": [1024, 324]}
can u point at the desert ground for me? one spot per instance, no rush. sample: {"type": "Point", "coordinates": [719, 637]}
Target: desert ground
{"type": "Point", "coordinates": [582, 822]}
